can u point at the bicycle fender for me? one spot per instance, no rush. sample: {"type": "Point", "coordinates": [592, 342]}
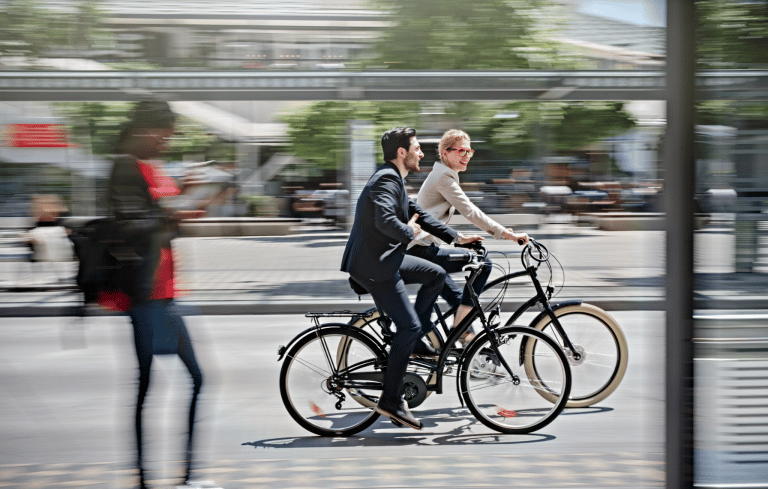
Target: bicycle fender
{"type": "Point", "coordinates": [554, 307]}
{"type": "Point", "coordinates": [282, 349]}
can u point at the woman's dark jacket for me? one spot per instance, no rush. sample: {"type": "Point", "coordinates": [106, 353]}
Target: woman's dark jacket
{"type": "Point", "coordinates": [142, 227]}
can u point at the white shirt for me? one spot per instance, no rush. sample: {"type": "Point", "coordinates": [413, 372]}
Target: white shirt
{"type": "Point", "coordinates": [441, 195]}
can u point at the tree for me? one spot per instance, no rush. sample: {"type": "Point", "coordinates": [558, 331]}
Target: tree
{"type": "Point", "coordinates": [732, 34]}
{"type": "Point", "coordinates": [23, 28]}
{"type": "Point", "coordinates": [461, 35]}
{"type": "Point", "coordinates": [30, 30]}
{"type": "Point", "coordinates": [318, 133]}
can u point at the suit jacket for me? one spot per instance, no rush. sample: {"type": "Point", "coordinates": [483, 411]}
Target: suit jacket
{"type": "Point", "coordinates": [379, 235]}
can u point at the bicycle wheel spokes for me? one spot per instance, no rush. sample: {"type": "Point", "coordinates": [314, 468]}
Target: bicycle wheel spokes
{"type": "Point", "coordinates": [328, 403]}
{"type": "Point", "coordinates": [600, 356]}
{"type": "Point", "coordinates": [511, 403]}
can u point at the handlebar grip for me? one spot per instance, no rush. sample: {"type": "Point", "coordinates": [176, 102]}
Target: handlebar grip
{"type": "Point", "coordinates": [474, 245]}
{"type": "Point", "coordinates": [458, 257]}
{"type": "Point", "coordinates": [520, 241]}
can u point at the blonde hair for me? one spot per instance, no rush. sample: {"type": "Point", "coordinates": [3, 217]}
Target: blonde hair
{"type": "Point", "coordinates": [449, 139]}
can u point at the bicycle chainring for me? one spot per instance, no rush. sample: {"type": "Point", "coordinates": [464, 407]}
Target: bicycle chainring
{"type": "Point", "coordinates": [415, 391]}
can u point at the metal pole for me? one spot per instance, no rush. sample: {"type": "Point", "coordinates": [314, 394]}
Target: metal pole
{"type": "Point", "coordinates": [679, 190]}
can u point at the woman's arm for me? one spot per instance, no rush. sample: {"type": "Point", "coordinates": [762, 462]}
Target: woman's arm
{"type": "Point", "coordinates": [451, 191]}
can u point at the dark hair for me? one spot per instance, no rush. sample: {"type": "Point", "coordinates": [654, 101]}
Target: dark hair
{"type": "Point", "coordinates": [399, 137]}
{"type": "Point", "coordinates": [152, 114]}
{"type": "Point", "coordinates": [146, 114]}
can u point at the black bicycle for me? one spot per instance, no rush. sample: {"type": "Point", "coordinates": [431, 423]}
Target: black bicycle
{"type": "Point", "coordinates": [592, 340]}
{"type": "Point", "coordinates": [513, 379]}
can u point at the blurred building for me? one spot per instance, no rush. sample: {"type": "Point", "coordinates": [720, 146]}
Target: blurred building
{"type": "Point", "coordinates": [37, 156]}
{"type": "Point", "coordinates": [319, 35]}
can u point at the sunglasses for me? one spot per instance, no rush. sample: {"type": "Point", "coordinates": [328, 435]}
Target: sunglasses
{"type": "Point", "coordinates": [462, 151]}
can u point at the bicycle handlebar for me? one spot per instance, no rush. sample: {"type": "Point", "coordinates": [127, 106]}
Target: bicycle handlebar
{"type": "Point", "coordinates": [533, 250]}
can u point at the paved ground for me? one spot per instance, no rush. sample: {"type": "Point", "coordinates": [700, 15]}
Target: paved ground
{"type": "Point", "coordinates": [478, 471]}
{"type": "Point", "coordinates": [66, 400]}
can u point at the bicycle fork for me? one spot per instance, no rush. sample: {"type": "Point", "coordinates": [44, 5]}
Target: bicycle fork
{"type": "Point", "coordinates": [493, 335]}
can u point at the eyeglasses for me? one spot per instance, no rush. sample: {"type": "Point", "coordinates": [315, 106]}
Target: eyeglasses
{"type": "Point", "coordinates": [463, 151]}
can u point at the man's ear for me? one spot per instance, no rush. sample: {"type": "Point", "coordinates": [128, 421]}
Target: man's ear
{"type": "Point", "coordinates": [401, 152]}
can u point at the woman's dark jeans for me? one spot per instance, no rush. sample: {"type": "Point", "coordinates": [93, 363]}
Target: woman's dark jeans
{"type": "Point", "coordinates": [147, 318]}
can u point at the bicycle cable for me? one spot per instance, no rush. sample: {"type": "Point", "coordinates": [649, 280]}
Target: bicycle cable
{"type": "Point", "coordinates": [562, 285]}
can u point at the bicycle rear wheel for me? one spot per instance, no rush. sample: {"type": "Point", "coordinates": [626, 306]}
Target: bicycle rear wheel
{"type": "Point", "coordinates": [602, 349]}
{"type": "Point", "coordinates": [324, 398]}
{"type": "Point", "coordinates": [512, 403]}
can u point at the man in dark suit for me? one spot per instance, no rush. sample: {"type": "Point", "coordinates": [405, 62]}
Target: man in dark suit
{"type": "Point", "coordinates": [386, 220]}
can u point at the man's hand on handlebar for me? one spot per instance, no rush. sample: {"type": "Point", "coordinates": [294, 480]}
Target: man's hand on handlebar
{"type": "Point", "coordinates": [520, 238]}
{"type": "Point", "coordinates": [462, 240]}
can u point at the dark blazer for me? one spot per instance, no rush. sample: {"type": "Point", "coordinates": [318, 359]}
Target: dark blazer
{"type": "Point", "coordinates": [142, 227]}
{"type": "Point", "coordinates": [379, 235]}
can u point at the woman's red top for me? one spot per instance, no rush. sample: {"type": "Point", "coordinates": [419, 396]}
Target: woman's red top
{"type": "Point", "coordinates": [164, 286]}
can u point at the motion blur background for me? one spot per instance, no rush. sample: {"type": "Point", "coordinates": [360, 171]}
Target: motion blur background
{"type": "Point", "coordinates": [565, 102]}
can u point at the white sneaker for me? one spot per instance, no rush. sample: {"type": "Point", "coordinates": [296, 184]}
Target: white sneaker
{"type": "Point", "coordinates": [199, 485]}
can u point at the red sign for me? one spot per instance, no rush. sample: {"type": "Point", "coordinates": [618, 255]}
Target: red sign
{"type": "Point", "coordinates": [36, 136]}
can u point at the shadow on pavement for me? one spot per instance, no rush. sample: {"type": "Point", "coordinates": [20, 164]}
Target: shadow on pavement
{"type": "Point", "coordinates": [384, 433]}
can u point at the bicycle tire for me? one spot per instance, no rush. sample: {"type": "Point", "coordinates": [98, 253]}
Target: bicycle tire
{"type": "Point", "coordinates": [602, 344]}
{"type": "Point", "coordinates": [512, 404]}
{"type": "Point", "coordinates": [319, 402]}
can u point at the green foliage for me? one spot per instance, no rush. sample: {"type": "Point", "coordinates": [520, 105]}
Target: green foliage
{"type": "Point", "coordinates": [732, 34]}
{"type": "Point", "coordinates": [28, 29]}
{"type": "Point", "coordinates": [318, 133]}
{"type": "Point", "coordinates": [261, 205]}
{"type": "Point", "coordinates": [521, 130]}
{"type": "Point", "coordinates": [23, 28]}
{"type": "Point", "coordinates": [731, 112]}
{"type": "Point", "coordinates": [461, 35]}
{"type": "Point", "coordinates": [588, 122]}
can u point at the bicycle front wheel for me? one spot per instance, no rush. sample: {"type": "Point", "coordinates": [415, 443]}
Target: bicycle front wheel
{"type": "Point", "coordinates": [508, 400]}
{"type": "Point", "coordinates": [324, 397]}
{"type": "Point", "coordinates": [601, 352]}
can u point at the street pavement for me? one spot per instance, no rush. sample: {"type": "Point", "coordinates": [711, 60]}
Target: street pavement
{"type": "Point", "coordinates": [299, 273]}
{"type": "Point", "coordinates": [67, 389]}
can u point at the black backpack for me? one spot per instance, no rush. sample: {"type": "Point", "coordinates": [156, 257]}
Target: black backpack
{"type": "Point", "coordinates": [100, 269]}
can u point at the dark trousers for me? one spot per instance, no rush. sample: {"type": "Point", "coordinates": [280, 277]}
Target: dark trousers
{"type": "Point", "coordinates": [453, 293]}
{"type": "Point", "coordinates": [146, 318]}
{"type": "Point", "coordinates": [411, 320]}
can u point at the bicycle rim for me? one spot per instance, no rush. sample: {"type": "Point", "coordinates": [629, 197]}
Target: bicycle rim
{"type": "Point", "coordinates": [602, 349]}
{"type": "Point", "coordinates": [513, 404]}
{"type": "Point", "coordinates": [325, 404]}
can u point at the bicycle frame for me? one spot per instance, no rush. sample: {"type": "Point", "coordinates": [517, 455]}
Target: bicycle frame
{"type": "Point", "coordinates": [452, 335]}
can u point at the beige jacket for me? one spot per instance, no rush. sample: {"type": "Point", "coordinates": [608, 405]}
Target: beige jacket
{"type": "Point", "coordinates": [441, 195]}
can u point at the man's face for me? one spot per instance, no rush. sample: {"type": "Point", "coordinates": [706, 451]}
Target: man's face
{"type": "Point", "coordinates": [413, 156]}
{"type": "Point", "coordinates": [453, 158]}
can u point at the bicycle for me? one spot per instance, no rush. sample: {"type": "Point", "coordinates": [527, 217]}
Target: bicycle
{"type": "Point", "coordinates": [592, 340]}
{"type": "Point", "coordinates": [333, 373]}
